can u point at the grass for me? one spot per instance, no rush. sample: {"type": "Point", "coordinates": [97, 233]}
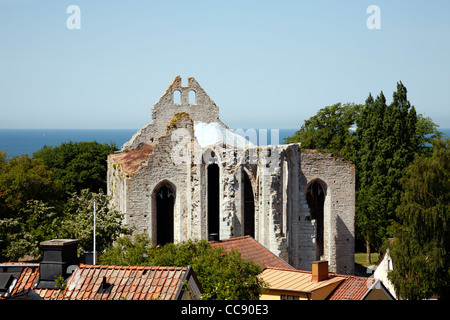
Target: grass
{"type": "Point", "coordinates": [361, 265]}
{"type": "Point", "coordinates": [360, 258]}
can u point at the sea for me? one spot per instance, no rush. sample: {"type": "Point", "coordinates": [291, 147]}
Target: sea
{"type": "Point", "coordinates": [27, 141]}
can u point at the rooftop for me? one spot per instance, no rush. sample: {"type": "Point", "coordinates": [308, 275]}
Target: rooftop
{"type": "Point", "coordinates": [251, 249]}
{"type": "Point", "coordinates": [100, 282]}
{"type": "Point", "coordinates": [296, 280]}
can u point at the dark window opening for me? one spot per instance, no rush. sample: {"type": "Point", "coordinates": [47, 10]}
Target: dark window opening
{"type": "Point", "coordinates": [213, 199]}
{"type": "Point", "coordinates": [165, 201]}
{"type": "Point", "coordinates": [315, 196]}
{"type": "Point", "coordinates": [249, 207]}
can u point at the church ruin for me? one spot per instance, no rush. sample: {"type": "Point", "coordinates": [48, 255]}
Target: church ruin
{"type": "Point", "coordinates": [186, 175]}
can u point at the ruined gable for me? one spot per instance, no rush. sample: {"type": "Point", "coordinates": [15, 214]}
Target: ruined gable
{"type": "Point", "coordinates": [192, 100]}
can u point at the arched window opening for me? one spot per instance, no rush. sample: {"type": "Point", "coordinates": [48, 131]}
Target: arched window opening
{"type": "Point", "coordinates": [213, 201]}
{"type": "Point", "coordinates": [249, 207]}
{"type": "Point", "coordinates": [315, 196]}
{"type": "Point", "coordinates": [165, 201]}
{"type": "Point", "coordinates": [176, 97]}
{"type": "Point", "coordinates": [192, 97]}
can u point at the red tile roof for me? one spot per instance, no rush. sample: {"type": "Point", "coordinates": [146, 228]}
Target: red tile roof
{"type": "Point", "coordinates": [353, 288]}
{"type": "Point", "coordinates": [99, 282]}
{"type": "Point", "coordinates": [251, 249]}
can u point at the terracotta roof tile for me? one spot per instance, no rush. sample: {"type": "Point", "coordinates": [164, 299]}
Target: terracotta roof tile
{"type": "Point", "coordinates": [251, 249]}
{"type": "Point", "coordinates": [110, 282]}
{"type": "Point", "coordinates": [353, 288]}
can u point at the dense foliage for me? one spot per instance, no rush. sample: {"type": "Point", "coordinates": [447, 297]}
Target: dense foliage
{"type": "Point", "coordinates": [79, 165]}
{"type": "Point", "coordinates": [329, 130]}
{"type": "Point", "coordinates": [23, 179]}
{"type": "Point", "coordinates": [385, 144]}
{"type": "Point", "coordinates": [222, 275]}
{"type": "Point", "coordinates": [421, 249]}
{"type": "Point", "coordinates": [36, 205]}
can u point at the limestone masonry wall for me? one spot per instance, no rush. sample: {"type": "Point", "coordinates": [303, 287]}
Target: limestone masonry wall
{"type": "Point", "coordinates": [272, 204]}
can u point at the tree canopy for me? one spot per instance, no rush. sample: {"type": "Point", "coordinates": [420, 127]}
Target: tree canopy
{"type": "Point", "coordinates": [79, 165]}
{"type": "Point", "coordinates": [329, 130]}
{"type": "Point", "coordinates": [23, 179]}
{"type": "Point", "coordinates": [421, 248]}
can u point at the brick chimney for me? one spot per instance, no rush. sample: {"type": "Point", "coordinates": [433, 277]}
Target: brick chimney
{"type": "Point", "coordinates": [59, 254]}
{"type": "Point", "coordinates": [319, 270]}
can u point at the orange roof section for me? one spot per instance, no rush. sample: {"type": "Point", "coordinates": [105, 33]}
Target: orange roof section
{"type": "Point", "coordinates": [251, 249]}
{"type": "Point", "coordinates": [295, 280]}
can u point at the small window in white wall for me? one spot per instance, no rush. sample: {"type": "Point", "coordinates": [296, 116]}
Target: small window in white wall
{"type": "Point", "coordinates": [192, 97]}
{"type": "Point", "coordinates": [176, 97]}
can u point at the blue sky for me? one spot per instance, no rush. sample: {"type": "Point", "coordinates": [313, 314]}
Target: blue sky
{"type": "Point", "coordinates": [266, 64]}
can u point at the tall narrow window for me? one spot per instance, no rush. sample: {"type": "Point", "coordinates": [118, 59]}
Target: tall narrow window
{"type": "Point", "coordinates": [176, 97]}
{"type": "Point", "coordinates": [249, 207]}
{"type": "Point", "coordinates": [285, 194]}
{"type": "Point", "coordinates": [165, 201]}
{"type": "Point", "coordinates": [213, 200]}
{"type": "Point", "coordinates": [192, 97]}
{"type": "Point", "coordinates": [315, 196]}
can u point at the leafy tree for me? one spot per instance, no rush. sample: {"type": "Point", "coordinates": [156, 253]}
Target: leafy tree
{"type": "Point", "coordinates": [421, 250]}
{"type": "Point", "coordinates": [80, 165]}
{"type": "Point", "coordinates": [22, 234]}
{"type": "Point", "coordinates": [23, 179]}
{"type": "Point", "coordinates": [386, 141]}
{"type": "Point", "coordinates": [78, 221]}
{"type": "Point", "coordinates": [329, 130]}
{"type": "Point", "coordinates": [222, 275]}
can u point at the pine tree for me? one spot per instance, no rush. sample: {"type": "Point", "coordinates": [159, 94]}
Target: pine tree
{"type": "Point", "coordinates": [421, 250]}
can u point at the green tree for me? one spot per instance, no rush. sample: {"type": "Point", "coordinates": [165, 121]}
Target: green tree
{"type": "Point", "coordinates": [33, 223]}
{"type": "Point", "coordinates": [421, 250]}
{"type": "Point", "coordinates": [385, 144]}
{"type": "Point", "coordinates": [222, 275]}
{"type": "Point", "coordinates": [329, 130]}
{"type": "Point", "coordinates": [78, 221]}
{"type": "Point", "coordinates": [80, 165]}
{"type": "Point", "coordinates": [23, 179]}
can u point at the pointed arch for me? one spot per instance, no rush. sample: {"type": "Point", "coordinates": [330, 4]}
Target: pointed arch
{"type": "Point", "coordinates": [316, 192]}
{"type": "Point", "coordinates": [163, 198]}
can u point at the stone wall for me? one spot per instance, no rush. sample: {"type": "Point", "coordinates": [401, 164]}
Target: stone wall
{"type": "Point", "coordinates": [279, 176]}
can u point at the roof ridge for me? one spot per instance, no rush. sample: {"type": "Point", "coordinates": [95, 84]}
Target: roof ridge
{"type": "Point", "coordinates": [233, 239]}
{"type": "Point", "coordinates": [121, 267]}
{"type": "Point", "coordinates": [286, 269]}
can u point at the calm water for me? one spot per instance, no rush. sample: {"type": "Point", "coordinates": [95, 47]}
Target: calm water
{"type": "Point", "coordinates": [27, 141]}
